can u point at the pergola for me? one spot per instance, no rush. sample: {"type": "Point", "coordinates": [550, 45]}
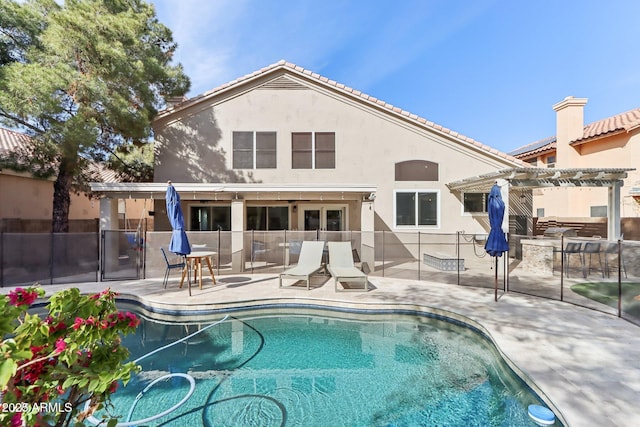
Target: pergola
{"type": "Point", "coordinates": [527, 178]}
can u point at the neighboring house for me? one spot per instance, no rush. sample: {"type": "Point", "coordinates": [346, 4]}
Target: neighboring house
{"type": "Point", "coordinates": [26, 202]}
{"type": "Point", "coordinates": [613, 142]}
{"type": "Point", "coordinates": [284, 148]}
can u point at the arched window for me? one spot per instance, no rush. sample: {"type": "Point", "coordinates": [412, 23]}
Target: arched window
{"type": "Point", "coordinates": [416, 170]}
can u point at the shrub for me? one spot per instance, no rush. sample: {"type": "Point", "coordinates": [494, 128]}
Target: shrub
{"type": "Point", "coordinates": [59, 369]}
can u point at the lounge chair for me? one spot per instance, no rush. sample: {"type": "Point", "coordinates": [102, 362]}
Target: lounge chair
{"type": "Point", "coordinates": [341, 265]}
{"type": "Point", "coordinates": [309, 262]}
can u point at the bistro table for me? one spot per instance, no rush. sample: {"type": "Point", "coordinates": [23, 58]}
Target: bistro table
{"type": "Point", "coordinates": [195, 258]}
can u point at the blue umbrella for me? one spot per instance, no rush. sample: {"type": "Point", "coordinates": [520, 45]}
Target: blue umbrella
{"type": "Point", "coordinates": [497, 241]}
{"type": "Point", "coordinates": [179, 241]}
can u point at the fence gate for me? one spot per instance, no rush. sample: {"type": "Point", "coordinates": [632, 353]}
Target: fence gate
{"type": "Point", "coordinates": [122, 254]}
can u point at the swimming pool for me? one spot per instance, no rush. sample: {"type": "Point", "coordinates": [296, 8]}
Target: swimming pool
{"type": "Point", "coordinates": [314, 367]}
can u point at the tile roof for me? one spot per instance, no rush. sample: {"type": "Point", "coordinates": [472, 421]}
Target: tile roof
{"type": "Point", "coordinates": [11, 140]}
{"type": "Point", "coordinates": [623, 122]}
{"type": "Point", "coordinates": [626, 121]}
{"type": "Point", "coordinates": [284, 65]}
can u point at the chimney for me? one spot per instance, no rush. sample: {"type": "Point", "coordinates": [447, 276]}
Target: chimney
{"type": "Point", "coordinates": [569, 127]}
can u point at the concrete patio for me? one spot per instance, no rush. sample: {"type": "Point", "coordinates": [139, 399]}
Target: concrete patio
{"type": "Point", "coordinates": [585, 362]}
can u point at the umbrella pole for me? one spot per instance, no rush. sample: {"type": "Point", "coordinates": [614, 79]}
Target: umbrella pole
{"type": "Point", "coordinates": [495, 281]}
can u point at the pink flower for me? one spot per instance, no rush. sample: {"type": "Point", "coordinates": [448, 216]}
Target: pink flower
{"type": "Point", "coordinates": [16, 420]}
{"type": "Point", "coordinates": [61, 345]}
{"type": "Point", "coordinates": [78, 323]}
{"type": "Point", "coordinates": [133, 320]}
{"type": "Point", "coordinates": [21, 296]}
{"type": "Point", "coordinates": [113, 387]}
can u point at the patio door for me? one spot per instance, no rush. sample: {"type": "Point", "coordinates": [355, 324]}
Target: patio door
{"type": "Point", "coordinates": [325, 218]}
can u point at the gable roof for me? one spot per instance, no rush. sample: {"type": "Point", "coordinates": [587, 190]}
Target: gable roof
{"type": "Point", "coordinates": [335, 86]}
{"type": "Point", "coordinates": [623, 122]}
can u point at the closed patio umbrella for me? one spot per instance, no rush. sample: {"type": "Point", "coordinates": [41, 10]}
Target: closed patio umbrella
{"type": "Point", "coordinates": [179, 243]}
{"type": "Point", "coordinates": [497, 241]}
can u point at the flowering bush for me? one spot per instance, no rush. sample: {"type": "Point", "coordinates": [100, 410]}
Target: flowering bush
{"type": "Point", "coordinates": [52, 367]}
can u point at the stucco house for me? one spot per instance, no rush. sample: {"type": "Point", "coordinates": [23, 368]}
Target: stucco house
{"type": "Point", "coordinates": [613, 142]}
{"type": "Point", "coordinates": [284, 148]}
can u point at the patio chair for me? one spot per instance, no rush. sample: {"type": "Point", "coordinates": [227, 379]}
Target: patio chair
{"type": "Point", "coordinates": [341, 265]}
{"type": "Point", "coordinates": [175, 266]}
{"type": "Point", "coordinates": [309, 262]}
{"type": "Point", "coordinates": [612, 251]}
{"type": "Point", "coordinates": [258, 248]}
{"type": "Point", "coordinates": [572, 248]}
{"type": "Point", "coordinates": [591, 248]}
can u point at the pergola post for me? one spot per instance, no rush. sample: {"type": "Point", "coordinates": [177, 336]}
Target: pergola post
{"type": "Point", "coordinates": [613, 211]}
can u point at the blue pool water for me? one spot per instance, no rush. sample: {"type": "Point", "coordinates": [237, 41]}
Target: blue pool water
{"type": "Point", "coordinates": [322, 368]}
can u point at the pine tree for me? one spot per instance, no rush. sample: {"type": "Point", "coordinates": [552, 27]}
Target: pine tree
{"type": "Point", "coordinates": [83, 79]}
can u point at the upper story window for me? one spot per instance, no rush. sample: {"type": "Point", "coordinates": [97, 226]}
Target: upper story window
{"type": "Point", "coordinates": [313, 150]}
{"type": "Point", "coordinates": [551, 161]}
{"type": "Point", "coordinates": [417, 208]}
{"type": "Point", "coordinates": [254, 150]}
{"type": "Point", "coordinates": [533, 162]}
{"type": "Point", "coordinates": [475, 202]}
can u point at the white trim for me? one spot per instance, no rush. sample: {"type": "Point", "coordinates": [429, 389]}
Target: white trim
{"type": "Point", "coordinates": [160, 187]}
{"type": "Point", "coordinates": [416, 191]}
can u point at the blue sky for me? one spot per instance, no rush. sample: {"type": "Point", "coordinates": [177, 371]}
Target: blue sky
{"type": "Point", "coordinates": [490, 70]}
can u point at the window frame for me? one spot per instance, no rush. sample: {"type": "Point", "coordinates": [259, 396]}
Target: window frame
{"type": "Point", "coordinates": [210, 207]}
{"type": "Point", "coordinates": [254, 150]}
{"type": "Point", "coordinates": [417, 192]}
{"type": "Point", "coordinates": [314, 150]}
{"type": "Point", "coordinates": [485, 204]}
{"type": "Point", "coordinates": [267, 208]}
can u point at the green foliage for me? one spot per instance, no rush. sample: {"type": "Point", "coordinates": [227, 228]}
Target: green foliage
{"type": "Point", "coordinates": [133, 163]}
{"type": "Point", "coordinates": [82, 79]}
{"type": "Point", "coordinates": [71, 357]}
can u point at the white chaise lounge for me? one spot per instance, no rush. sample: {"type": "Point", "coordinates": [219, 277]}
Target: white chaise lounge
{"type": "Point", "coordinates": [342, 268]}
{"type": "Point", "coordinates": [309, 262]}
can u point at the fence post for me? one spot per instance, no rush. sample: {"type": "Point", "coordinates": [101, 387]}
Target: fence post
{"type": "Point", "coordinates": [51, 249]}
{"type": "Point", "coordinates": [252, 249]}
{"type": "Point", "coordinates": [561, 267]}
{"type": "Point", "coordinates": [619, 278]}
{"type": "Point", "coordinates": [383, 263]}
{"type": "Point", "coordinates": [101, 255]}
{"type": "Point", "coordinates": [418, 255]}
{"type": "Point", "coordinates": [219, 251]}
{"type": "Point", "coordinates": [458, 256]}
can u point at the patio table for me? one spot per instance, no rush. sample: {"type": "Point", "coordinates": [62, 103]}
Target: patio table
{"type": "Point", "coordinates": [195, 259]}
